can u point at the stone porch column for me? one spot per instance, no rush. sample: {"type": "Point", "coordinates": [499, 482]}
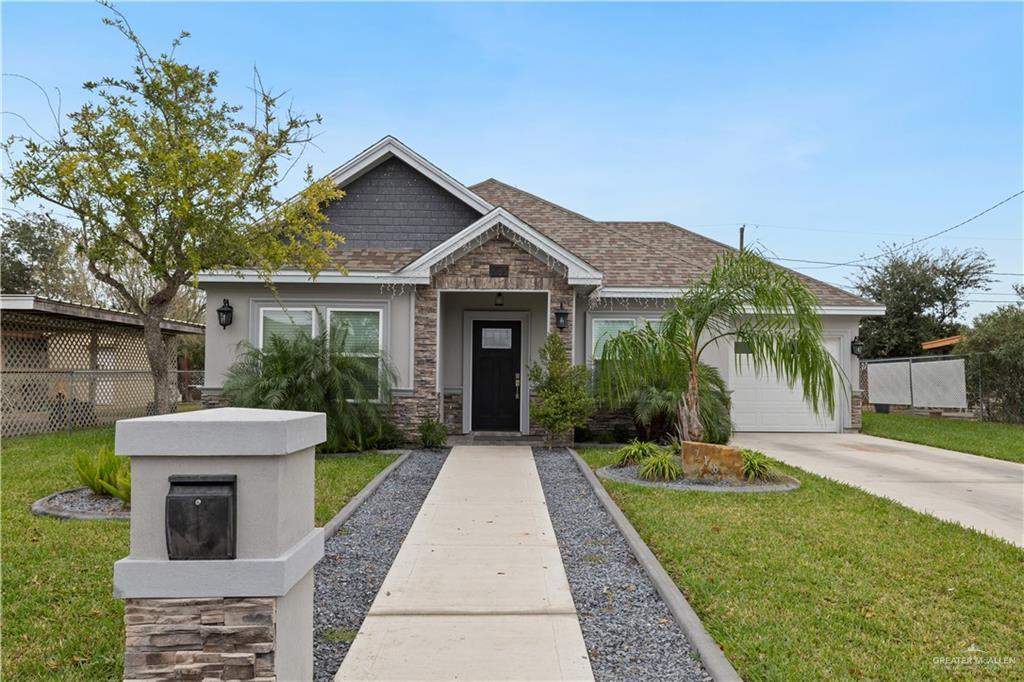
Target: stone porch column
{"type": "Point", "coordinates": [247, 617]}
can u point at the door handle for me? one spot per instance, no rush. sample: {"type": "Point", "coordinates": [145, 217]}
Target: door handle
{"type": "Point", "coordinates": [517, 385]}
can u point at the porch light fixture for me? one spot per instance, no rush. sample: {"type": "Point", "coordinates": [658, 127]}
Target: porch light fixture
{"type": "Point", "coordinates": [225, 314]}
{"type": "Point", "coordinates": [856, 346]}
{"type": "Point", "coordinates": [561, 316]}
{"type": "Point", "coordinates": [499, 300]}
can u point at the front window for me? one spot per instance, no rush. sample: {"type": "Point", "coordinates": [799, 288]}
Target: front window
{"type": "Point", "coordinates": [285, 324]}
{"type": "Point", "coordinates": [604, 330]}
{"type": "Point", "coordinates": [360, 338]}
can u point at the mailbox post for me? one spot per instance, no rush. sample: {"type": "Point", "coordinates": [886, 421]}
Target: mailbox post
{"type": "Point", "coordinates": [219, 580]}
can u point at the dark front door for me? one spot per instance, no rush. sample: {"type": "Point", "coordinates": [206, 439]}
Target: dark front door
{"type": "Point", "coordinates": [496, 380]}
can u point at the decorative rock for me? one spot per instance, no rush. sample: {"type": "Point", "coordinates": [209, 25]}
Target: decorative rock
{"type": "Point", "coordinates": [712, 462]}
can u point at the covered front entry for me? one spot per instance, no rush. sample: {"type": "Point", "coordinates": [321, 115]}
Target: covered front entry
{"type": "Point", "coordinates": [496, 375]}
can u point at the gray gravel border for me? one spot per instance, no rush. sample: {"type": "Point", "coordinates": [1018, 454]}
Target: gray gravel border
{"type": "Point", "coordinates": [51, 506]}
{"type": "Point", "coordinates": [332, 526]}
{"type": "Point", "coordinates": [627, 474]}
{"type": "Point", "coordinates": [359, 554]}
{"type": "Point", "coordinates": [628, 629]}
{"type": "Point", "coordinates": [715, 662]}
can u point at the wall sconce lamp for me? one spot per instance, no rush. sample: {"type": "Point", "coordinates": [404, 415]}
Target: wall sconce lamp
{"type": "Point", "coordinates": [561, 316]}
{"type": "Point", "coordinates": [856, 346]}
{"type": "Point", "coordinates": [499, 300]}
{"type": "Point", "coordinates": [225, 314]}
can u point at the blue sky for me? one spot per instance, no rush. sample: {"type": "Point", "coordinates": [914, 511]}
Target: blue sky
{"type": "Point", "coordinates": [833, 127]}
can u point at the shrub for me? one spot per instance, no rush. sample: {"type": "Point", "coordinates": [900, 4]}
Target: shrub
{"type": "Point", "coordinates": [563, 394]}
{"type": "Point", "coordinates": [105, 473]}
{"type": "Point", "coordinates": [316, 374]}
{"type": "Point", "coordinates": [662, 466]}
{"type": "Point", "coordinates": [654, 408]}
{"type": "Point", "coordinates": [756, 466]}
{"type": "Point", "coordinates": [605, 438]}
{"type": "Point", "coordinates": [121, 486]}
{"type": "Point", "coordinates": [636, 452]}
{"type": "Point", "coordinates": [433, 434]}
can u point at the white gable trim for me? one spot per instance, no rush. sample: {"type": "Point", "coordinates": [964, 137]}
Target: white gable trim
{"type": "Point", "coordinates": [389, 147]}
{"type": "Point", "coordinates": [579, 272]}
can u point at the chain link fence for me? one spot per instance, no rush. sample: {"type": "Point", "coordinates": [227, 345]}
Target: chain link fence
{"type": "Point", "coordinates": [42, 401]}
{"type": "Point", "coordinates": [977, 386]}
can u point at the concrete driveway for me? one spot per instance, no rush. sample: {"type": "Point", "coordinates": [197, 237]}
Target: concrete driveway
{"type": "Point", "coordinates": [979, 492]}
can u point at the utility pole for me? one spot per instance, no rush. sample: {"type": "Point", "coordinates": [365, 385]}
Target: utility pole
{"type": "Point", "coordinates": [742, 228]}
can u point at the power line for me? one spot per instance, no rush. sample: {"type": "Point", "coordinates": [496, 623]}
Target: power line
{"type": "Point", "coordinates": [934, 234]}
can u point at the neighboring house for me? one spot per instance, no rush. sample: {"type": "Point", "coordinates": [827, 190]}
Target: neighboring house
{"type": "Point", "coordinates": [942, 346]}
{"type": "Point", "coordinates": [69, 365]}
{"type": "Point", "coordinates": [458, 285]}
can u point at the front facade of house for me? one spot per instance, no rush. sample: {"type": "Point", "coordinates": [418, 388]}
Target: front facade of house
{"type": "Point", "coordinates": [457, 286]}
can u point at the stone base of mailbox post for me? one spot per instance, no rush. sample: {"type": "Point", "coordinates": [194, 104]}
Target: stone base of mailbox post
{"type": "Point", "coordinates": [248, 618]}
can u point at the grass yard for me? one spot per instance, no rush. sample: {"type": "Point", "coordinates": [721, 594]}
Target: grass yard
{"type": "Point", "coordinates": [988, 439]}
{"type": "Point", "coordinates": [60, 619]}
{"type": "Point", "coordinates": [830, 582]}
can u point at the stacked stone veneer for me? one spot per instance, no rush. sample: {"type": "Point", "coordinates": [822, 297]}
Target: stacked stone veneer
{"type": "Point", "coordinates": [472, 271]}
{"type": "Point", "coordinates": [199, 639]}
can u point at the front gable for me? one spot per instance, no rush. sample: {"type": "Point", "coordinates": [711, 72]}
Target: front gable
{"type": "Point", "coordinates": [394, 206]}
{"type": "Point", "coordinates": [501, 223]}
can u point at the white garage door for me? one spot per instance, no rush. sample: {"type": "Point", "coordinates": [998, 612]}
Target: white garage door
{"type": "Point", "coordinates": [767, 403]}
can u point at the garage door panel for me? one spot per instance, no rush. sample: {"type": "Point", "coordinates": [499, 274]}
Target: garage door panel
{"type": "Point", "coordinates": [767, 403]}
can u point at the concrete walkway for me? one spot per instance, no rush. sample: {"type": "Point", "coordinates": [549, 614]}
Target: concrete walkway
{"type": "Point", "coordinates": [978, 492]}
{"type": "Point", "coordinates": [478, 590]}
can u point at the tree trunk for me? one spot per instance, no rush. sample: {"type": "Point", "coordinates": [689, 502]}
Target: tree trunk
{"type": "Point", "coordinates": [688, 412]}
{"type": "Point", "coordinates": [160, 352]}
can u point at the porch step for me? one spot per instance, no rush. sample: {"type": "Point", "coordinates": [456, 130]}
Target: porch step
{"type": "Point", "coordinates": [494, 438]}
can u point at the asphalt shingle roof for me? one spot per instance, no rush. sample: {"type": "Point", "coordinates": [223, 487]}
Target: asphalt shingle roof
{"type": "Point", "coordinates": [632, 253]}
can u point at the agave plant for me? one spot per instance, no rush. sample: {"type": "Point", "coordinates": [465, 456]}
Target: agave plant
{"type": "Point", "coordinates": [318, 374]}
{"type": "Point", "coordinates": [745, 299]}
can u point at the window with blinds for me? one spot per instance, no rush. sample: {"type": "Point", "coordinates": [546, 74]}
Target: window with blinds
{"type": "Point", "coordinates": [608, 329]}
{"type": "Point", "coordinates": [359, 332]}
{"type": "Point", "coordinates": [286, 324]}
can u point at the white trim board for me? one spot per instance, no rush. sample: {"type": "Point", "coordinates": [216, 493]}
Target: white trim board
{"type": "Point", "coordinates": [579, 271]}
{"type": "Point", "coordinates": [302, 277]}
{"type": "Point", "coordinates": [468, 318]}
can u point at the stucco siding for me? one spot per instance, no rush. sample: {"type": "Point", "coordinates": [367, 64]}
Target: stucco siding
{"type": "Point", "coordinates": [248, 299]}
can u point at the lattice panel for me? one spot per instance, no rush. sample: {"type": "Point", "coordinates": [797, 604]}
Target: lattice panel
{"type": "Point", "coordinates": [60, 374]}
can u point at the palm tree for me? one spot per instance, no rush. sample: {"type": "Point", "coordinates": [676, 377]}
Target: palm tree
{"type": "Point", "coordinates": [745, 298]}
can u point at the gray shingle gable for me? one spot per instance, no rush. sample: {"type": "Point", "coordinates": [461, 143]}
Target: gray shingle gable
{"type": "Point", "coordinates": [393, 206]}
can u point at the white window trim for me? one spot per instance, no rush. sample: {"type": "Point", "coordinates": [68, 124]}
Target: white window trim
{"type": "Point", "coordinates": [380, 335]}
{"type": "Point", "coordinates": [287, 311]}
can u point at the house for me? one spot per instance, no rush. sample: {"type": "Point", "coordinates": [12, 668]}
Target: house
{"type": "Point", "coordinates": [67, 365]}
{"type": "Point", "coordinates": [942, 346]}
{"type": "Point", "coordinates": [458, 285]}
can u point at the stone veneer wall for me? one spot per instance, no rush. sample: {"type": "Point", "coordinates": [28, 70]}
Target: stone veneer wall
{"type": "Point", "coordinates": [453, 411]}
{"type": "Point", "coordinates": [856, 406]}
{"type": "Point", "coordinates": [472, 271]}
{"type": "Point", "coordinates": [200, 639]}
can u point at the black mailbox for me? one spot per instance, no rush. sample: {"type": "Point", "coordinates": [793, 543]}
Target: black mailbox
{"type": "Point", "coordinates": [200, 517]}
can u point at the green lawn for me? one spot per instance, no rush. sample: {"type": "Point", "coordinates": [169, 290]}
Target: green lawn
{"type": "Point", "coordinates": [831, 582]}
{"type": "Point", "coordinates": [988, 439]}
{"type": "Point", "coordinates": [60, 619]}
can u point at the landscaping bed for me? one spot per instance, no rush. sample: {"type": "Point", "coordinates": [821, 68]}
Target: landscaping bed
{"type": "Point", "coordinates": [987, 439]}
{"type": "Point", "coordinates": [627, 474]}
{"type": "Point", "coordinates": [60, 618]}
{"type": "Point", "coordinates": [357, 557]}
{"type": "Point", "coordinates": [629, 631]}
{"type": "Point", "coordinates": [828, 581]}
